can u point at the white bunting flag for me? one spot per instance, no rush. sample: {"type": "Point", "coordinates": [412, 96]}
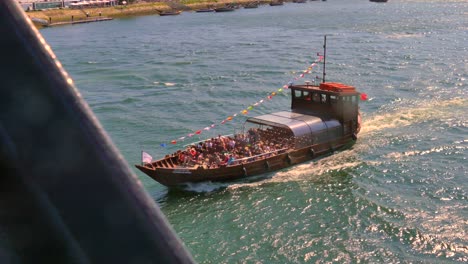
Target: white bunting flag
{"type": "Point", "coordinates": [145, 157]}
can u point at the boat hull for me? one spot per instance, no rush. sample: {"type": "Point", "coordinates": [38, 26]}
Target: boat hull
{"type": "Point", "coordinates": [205, 10]}
{"type": "Point", "coordinates": [170, 13]}
{"type": "Point", "coordinates": [182, 175]}
{"type": "Point", "coordinates": [224, 9]}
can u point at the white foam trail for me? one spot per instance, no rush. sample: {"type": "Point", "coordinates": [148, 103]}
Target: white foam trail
{"type": "Point", "coordinates": [428, 110]}
{"type": "Point", "coordinates": [302, 172]}
{"type": "Point", "coordinates": [400, 36]}
{"type": "Point", "coordinates": [205, 187]}
{"type": "Point", "coordinates": [350, 158]}
{"type": "Point", "coordinates": [401, 155]}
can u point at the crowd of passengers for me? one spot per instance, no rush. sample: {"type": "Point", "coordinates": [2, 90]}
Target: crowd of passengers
{"type": "Point", "coordinates": [240, 148]}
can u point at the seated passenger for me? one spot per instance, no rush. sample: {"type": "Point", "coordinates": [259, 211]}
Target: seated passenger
{"type": "Point", "coordinates": [200, 158]}
{"type": "Point", "coordinates": [193, 152]}
{"type": "Point", "coordinates": [181, 157]}
{"type": "Point", "coordinates": [187, 160]}
{"type": "Point", "coordinates": [231, 160]}
{"type": "Point", "coordinates": [225, 160]}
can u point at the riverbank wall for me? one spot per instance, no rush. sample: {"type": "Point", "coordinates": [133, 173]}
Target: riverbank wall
{"type": "Point", "coordinates": [138, 9]}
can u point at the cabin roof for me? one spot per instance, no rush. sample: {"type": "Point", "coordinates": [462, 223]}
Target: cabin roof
{"type": "Point", "coordinates": [332, 88]}
{"type": "Point", "coordinates": [299, 124]}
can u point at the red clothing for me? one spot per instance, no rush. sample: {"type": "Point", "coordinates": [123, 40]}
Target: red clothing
{"type": "Point", "coordinates": [193, 152]}
{"type": "Point", "coordinates": [181, 157]}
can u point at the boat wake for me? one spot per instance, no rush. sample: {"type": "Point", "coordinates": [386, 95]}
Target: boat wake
{"type": "Point", "coordinates": [406, 35]}
{"type": "Point", "coordinates": [427, 110]}
{"type": "Point", "coordinates": [204, 187]}
{"type": "Point", "coordinates": [165, 83]}
{"type": "Point", "coordinates": [351, 158]}
{"type": "Point", "coordinates": [324, 168]}
{"type": "Point", "coordinates": [447, 148]}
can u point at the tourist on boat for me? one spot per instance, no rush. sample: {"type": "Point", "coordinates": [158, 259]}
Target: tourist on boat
{"type": "Point", "coordinates": [226, 150]}
{"type": "Point", "coordinates": [214, 165]}
{"type": "Point", "coordinates": [200, 145]}
{"type": "Point", "coordinates": [200, 158]}
{"type": "Point", "coordinates": [209, 145]}
{"type": "Point", "coordinates": [181, 156]}
{"type": "Point", "coordinates": [193, 152]}
{"type": "Point", "coordinates": [219, 158]}
{"type": "Point", "coordinates": [253, 135]}
{"type": "Point", "coordinates": [187, 159]}
{"type": "Point", "coordinates": [231, 160]}
{"type": "Point", "coordinates": [223, 160]}
{"type": "Point", "coordinates": [218, 146]}
{"type": "Point", "coordinates": [232, 144]}
{"type": "Point", "coordinates": [248, 153]}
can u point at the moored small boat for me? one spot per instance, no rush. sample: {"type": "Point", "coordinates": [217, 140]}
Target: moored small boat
{"type": "Point", "coordinates": [224, 9]}
{"type": "Point", "coordinates": [276, 3]}
{"type": "Point", "coordinates": [169, 13]}
{"type": "Point", "coordinates": [205, 10]}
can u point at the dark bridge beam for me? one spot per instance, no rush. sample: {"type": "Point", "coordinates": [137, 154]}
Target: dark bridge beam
{"type": "Point", "coordinates": [66, 194]}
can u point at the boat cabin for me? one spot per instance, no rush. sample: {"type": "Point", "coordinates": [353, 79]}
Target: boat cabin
{"type": "Point", "coordinates": [320, 115]}
{"type": "Point", "coordinates": [328, 100]}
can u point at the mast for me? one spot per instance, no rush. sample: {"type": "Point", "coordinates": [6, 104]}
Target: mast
{"type": "Point", "coordinates": [324, 56]}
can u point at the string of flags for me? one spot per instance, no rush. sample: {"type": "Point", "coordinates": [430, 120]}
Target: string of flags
{"type": "Point", "coordinates": [251, 106]}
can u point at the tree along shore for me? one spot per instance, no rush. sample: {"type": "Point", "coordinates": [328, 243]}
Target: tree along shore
{"type": "Point", "coordinates": [137, 9]}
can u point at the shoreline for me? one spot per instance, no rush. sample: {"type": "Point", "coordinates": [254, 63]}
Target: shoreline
{"type": "Point", "coordinates": [41, 18]}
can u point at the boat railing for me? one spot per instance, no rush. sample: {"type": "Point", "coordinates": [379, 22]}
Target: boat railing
{"type": "Point", "coordinates": [239, 161]}
{"type": "Point", "coordinates": [204, 140]}
{"type": "Point", "coordinates": [194, 165]}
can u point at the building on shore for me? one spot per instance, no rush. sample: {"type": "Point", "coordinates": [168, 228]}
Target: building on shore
{"type": "Point", "coordinates": [91, 4]}
{"type": "Point", "coordinates": [29, 5]}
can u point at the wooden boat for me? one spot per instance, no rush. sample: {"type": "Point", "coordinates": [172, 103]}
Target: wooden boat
{"type": "Point", "coordinates": [205, 10]}
{"type": "Point", "coordinates": [299, 1]}
{"type": "Point", "coordinates": [225, 9]}
{"type": "Point", "coordinates": [323, 118]}
{"type": "Point", "coordinates": [276, 3]}
{"type": "Point", "coordinates": [169, 13]}
{"type": "Point", "coordinates": [379, 1]}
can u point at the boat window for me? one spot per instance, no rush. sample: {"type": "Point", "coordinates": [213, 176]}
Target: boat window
{"type": "Point", "coordinates": [354, 99]}
{"type": "Point", "coordinates": [351, 99]}
{"type": "Point", "coordinates": [297, 94]}
{"type": "Point", "coordinates": [316, 97]}
{"type": "Point", "coordinates": [324, 98]}
{"type": "Point", "coordinates": [333, 99]}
